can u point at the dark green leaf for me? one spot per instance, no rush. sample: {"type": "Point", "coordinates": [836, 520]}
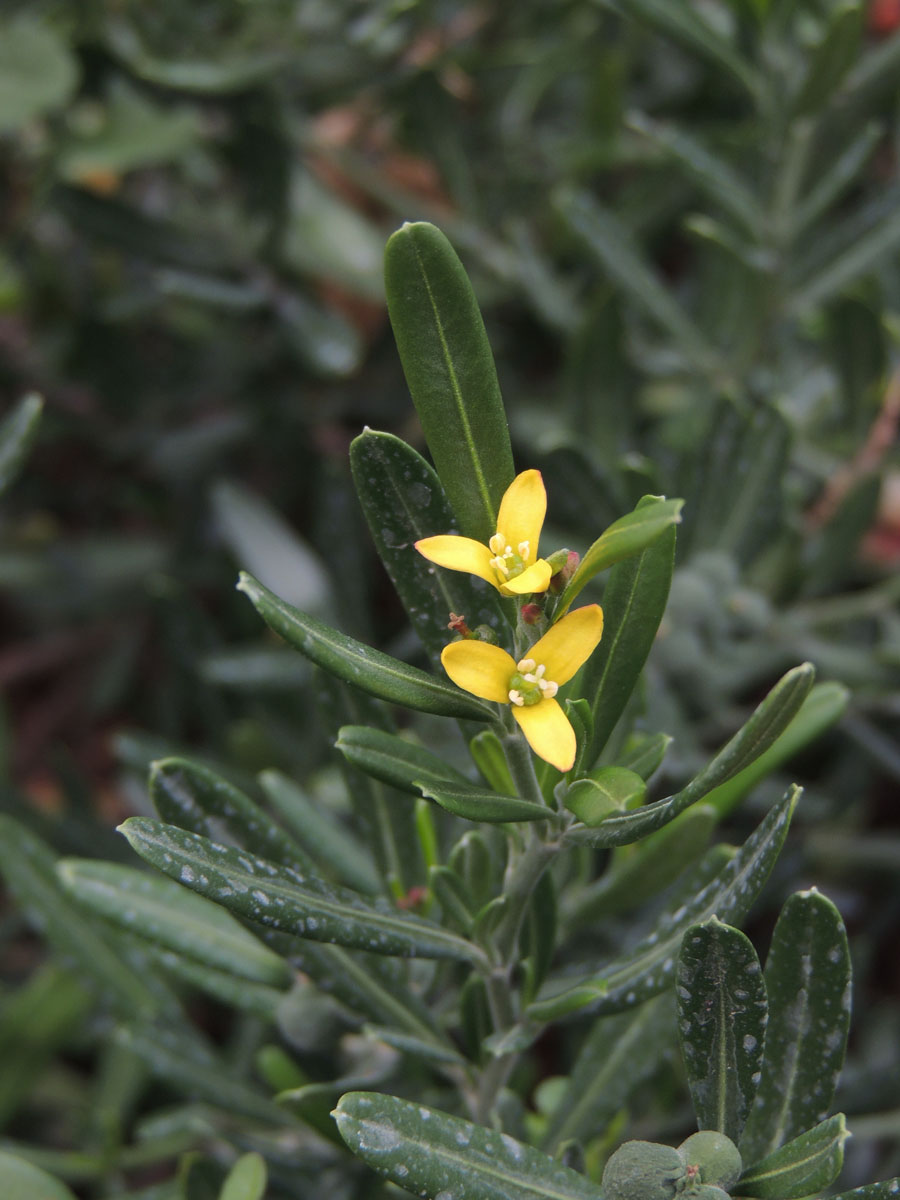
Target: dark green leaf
{"type": "Point", "coordinates": [888, 1189]}
{"type": "Point", "coordinates": [829, 62]}
{"type": "Point", "coordinates": [645, 755]}
{"type": "Point", "coordinates": [808, 981]}
{"type": "Point", "coordinates": [403, 501]}
{"type": "Point", "coordinates": [634, 602]}
{"type": "Point", "coordinates": [808, 1164]}
{"type": "Point", "coordinates": [22, 1180]}
{"type": "Point", "coordinates": [450, 372]}
{"type": "Point", "coordinates": [187, 794]}
{"type": "Point", "coordinates": [393, 759]}
{"type": "Point", "coordinates": [722, 1011]}
{"type": "Point", "coordinates": [625, 538]}
{"type": "Point", "coordinates": [153, 907]}
{"type": "Point", "coordinates": [649, 967]}
{"type": "Point", "coordinates": [17, 433]}
{"type": "Point", "coordinates": [353, 661]}
{"type": "Point", "coordinates": [478, 804]}
{"type": "Point", "coordinates": [761, 730]}
{"type": "Point", "coordinates": [282, 898]}
{"type": "Point", "coordinates": [435, 1155]}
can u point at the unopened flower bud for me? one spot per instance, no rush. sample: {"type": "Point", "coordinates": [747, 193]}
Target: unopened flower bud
{"type": "Point", "coordinates": [531, 613]}
{"type": "Point", "coordinates": [484, 633]}
{"type": "Point", "coordinates": [563, 564]}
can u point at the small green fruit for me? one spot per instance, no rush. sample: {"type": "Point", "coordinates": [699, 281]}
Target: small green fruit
{"type": "Point", "coordinates": [644, 1171]}
{"type": "Point", "coordinates": [716, 1156]}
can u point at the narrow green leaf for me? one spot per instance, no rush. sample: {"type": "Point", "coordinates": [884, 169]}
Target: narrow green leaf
{"type": "Point", "coordinates": [230, 989]}
{"type": "Point", "coordinates": [353, 661]}
{"type": "Point", "coordinates": [184, 790]}
{"type": "Point", "coordinates": [325, 839]}
{"type": "Point", "coordinates": [538, 936]}
{"type": "Point", "coordinates": [649, 968]}
{"type": "Point", "coordinates": [392, 759]}
{"type": "Point", "coordinates": [171, 917]}
{"type": "Point", "coordinates": [407, 1043]}
{"type": "Point", "coordinates": [450, 372]}
{"type": "Point", "coordinates": [29, 869]}
{"type": "Point", "coordinates": [282, 898]}
{"type": "Point", "coordinates": [17, 433]}
{"type": "Point", "coordinates": [709, 171]}
{"type": "Point", "coordinates": [722, 1012]}
{"type": "Point", "coordinates": [451, 894]}
{"type": "Point", "coordinates": [837, 176]}
{"type": "Point", "coordinates": [645, 755]}
{"type": "Point", "coordinates": [887, 1189]}
{"type": "Point", "coordinates": [22, 1180]}
{"type": "Point", "coordinates": [625, 538]}
{"type": "Point", "coordinates": [246, 1180]}
{"type": "Point", "coordinates": [478, 804]}
{"type": "Point", "coordinates": [824, 705]}
{"type": "Point", "coordinates": [612, 244]}
{"type": "Point", "coordinates": [633, 604]}
{"type": "Point", "coordinates": [403, 501]}
{"type": "Point", "coordinates": [433, 1155]}
{"type": "Point", "coordinates": [642, 873]}
{"type": "Point", "coordinates": [808, 1164]}
{"type": "Point", "coordinates": [619, 1054]}
{"type": "Point", "coordinates": [765, 725]}
{"type": "Point", "coordinates": [808, 981]}
{"type": "Point", "coordinates": [487, 754]}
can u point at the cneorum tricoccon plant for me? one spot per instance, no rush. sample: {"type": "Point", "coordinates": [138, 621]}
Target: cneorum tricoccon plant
{"type": "Point", "coordinates": [478, 919]}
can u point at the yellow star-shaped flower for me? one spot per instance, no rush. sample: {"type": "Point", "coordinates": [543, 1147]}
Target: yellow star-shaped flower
{"type": "Point", "coordinates": [509, 561]}
{"type": "Point", "coordinates": [530, 685]}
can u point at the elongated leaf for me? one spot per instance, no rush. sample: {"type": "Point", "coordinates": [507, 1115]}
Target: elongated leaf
{"type": "Point", "coordinates": [832, 58]}
{"type": "Point", "coordinates": [29, 869]}
{"type": "Point", "coordinates": [806, 1165]}
{"type": "Point", "coordinates": [324, 838]}
{"type": "Point", "coordinates": [17, 433]}
{"type": "Point", "coordinates": [764, 727]}
{"type": "Point", "coordinates": [837, 176]}
{"type": "Point", "coordinates": [433, 1155]}
{"type": "Point", "coordinates": [478, 804]}
{"type": "Point", "coordinates": [22, 1180]}
{"type": "Point", "coordinates": [824, 705]}
{"type": "Point", "coordinates": [619, 1054]}
{"type": "Point", "coordinates": [625, 538]}
{"type": "Point", "coordinates": [722, 1011]}
{"type": "Point", "coordinates": [450, 372]}
{"type": "Point", "coordinates": [403, 501]}
{"type": "Point", "coordinates": [187, 794]}
{"type": "Point", "coordinates": [392, 759]}
{"type": "Point", "coordinates": [634, 602]}
{"type": "Point", "coordinates": [709, 171]}
{"type": "Point", "coordinates": [612, 244]}
{"type": "Point", "coordinates": [887, 1189]}
{"type": "Point", "coordinates": [281, 898]}
{"type": "Point", "coordinates": [230, 989]}
{"type": "Point", "coordinates": [353, 661]}
{"type": "Point", "coordinates": [650, 966]}
{"type": "Point", "coordinates": [159, 910]}
{"type": "Point", "coordinates": [808, 981]}
{"type": "Point", "coordinates": [646, 755]}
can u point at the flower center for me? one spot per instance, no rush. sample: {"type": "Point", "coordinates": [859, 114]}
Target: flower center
{"type": "Point", "coordinates": [507, 562]}
{"type": "Point", "coordinates": [529, 686]}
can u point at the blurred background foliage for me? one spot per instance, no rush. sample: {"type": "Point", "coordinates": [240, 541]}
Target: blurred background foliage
{"type": "Point", "coordinates": [683, 223]}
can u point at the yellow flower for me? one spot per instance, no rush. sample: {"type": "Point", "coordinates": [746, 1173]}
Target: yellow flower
{"type": "Point", "coordinates": [509, 561]}
{"type": "Point", "coordinates": [531, 684]}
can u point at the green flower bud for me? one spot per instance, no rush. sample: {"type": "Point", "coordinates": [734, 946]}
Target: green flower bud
{"type": "Point", "coordinates": [716, 1156]}
{"type": "Point", "coordinates": [643, 1171]}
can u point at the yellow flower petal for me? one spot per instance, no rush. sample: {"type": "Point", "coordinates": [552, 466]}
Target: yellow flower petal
{"type": "Point", "coordinates": [522, 511]}
{"type": "Point", "coordinates": [479, 668]}
{"type": "Point", "coordinates": [459, 554]}
{"type": "Point", "coordinates": [535, 578]}
{"type": "Point", "coordinates": [548, 732]}
{"type": "Point", "coordinates": [569, 643]}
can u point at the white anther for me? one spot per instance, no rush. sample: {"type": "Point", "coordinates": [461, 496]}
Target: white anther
{"type": "Point", "coordinates": [499, 564]}
{"type": "Point", "coordinates": [515, 697]}
{"type": "Point", "coordinates": [497, 542]}
{"type": "Point", "coordinates": [548, 688]}
{"type": "Point", "coordinates": [524, 549]}
{"type": "Point", "coordinates": [507, 553]}
{"type": "Point", "coordinates": [540, 671]}
{"type": "Point", "coordinates": [526, 664]}
{"type": "Point", "coordinates": [530, 677]}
